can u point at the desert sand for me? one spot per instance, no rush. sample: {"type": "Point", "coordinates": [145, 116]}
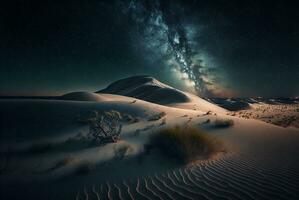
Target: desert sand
{"type": "Point", "coordinates": [285, 115]}
{"type": "Point", "coordinates": [44, 153]}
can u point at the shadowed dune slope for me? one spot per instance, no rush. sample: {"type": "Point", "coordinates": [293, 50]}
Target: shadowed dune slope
{"type": "Point", "coordinates": [146, 88]}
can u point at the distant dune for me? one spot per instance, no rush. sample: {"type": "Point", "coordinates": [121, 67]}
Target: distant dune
{"type": "Point", "coordinates": [93, 97]}
{"type": "Point", "coordinates": [231, 104]}
{"type": "Point", "coordinates": [83, 96]}
{"type": "Point", "coordinates": [279, 111]}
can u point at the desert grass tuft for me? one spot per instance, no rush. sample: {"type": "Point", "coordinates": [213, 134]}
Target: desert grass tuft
{"type": "Point", "coordinates": [185, 144]}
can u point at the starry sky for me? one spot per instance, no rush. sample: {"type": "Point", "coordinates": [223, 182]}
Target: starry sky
{"type": "Point", "coordinates": [211, 48]}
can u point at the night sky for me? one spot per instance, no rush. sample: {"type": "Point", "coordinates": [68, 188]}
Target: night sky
{"type": "Point", "coordinates": [212, 48]}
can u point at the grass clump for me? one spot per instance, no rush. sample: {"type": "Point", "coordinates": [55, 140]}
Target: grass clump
{"type": "Point", "coordinates": [184, 144]}
{"type": "Point", "coordinates": [223, 123]}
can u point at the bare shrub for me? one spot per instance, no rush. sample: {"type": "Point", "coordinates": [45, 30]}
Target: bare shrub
{"type": "Point", "coordinates": [105, 127]}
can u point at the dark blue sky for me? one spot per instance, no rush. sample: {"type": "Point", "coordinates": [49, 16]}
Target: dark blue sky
{"type": "Point", "coordinates": [248, 48]}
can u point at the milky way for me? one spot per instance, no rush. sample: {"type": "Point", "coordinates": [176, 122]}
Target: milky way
{"type": "Point", "coordinates": [211, 48]}
{"type": "Point", "coordinates": [163, 31]}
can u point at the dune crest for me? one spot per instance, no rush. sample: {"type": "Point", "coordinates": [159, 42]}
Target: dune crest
{"type": "Point", "coordinates": [146, 88]}
{"type": "Point", "coordinates": [151, 90]}
{"type": "Point", "coordinates": [91, 96]}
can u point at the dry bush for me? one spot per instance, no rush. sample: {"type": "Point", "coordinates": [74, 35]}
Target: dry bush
{"type": "Point", "coordinates": [105, 127]}
{"type": "Point", "coordinates": [184, 144]}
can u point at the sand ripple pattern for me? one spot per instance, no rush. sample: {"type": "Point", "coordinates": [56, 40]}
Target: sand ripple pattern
{"type": "Point", "coordinates": [230, 176]}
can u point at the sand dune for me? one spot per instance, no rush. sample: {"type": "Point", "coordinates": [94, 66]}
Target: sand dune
{"type": "Point", "coordinates": [91, 96]}
{"type": "Point", "coordinates": [285, 115]}
{"type": "Point", "coordinates": [199, 104]}
{"type": "Point", "coordinates": [266, 171]}
{"type": "Point", "coordinates": [44, 153]}
{"type": "Point", "coordinates": [83, 96]}
{"type": "Point", "coordinates": [149, 89]}
{"type": "Point", "coordinates": [146, 88]}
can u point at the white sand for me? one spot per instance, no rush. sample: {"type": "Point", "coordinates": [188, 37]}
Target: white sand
{"type": "Point", "coordinates": [260, 162]}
